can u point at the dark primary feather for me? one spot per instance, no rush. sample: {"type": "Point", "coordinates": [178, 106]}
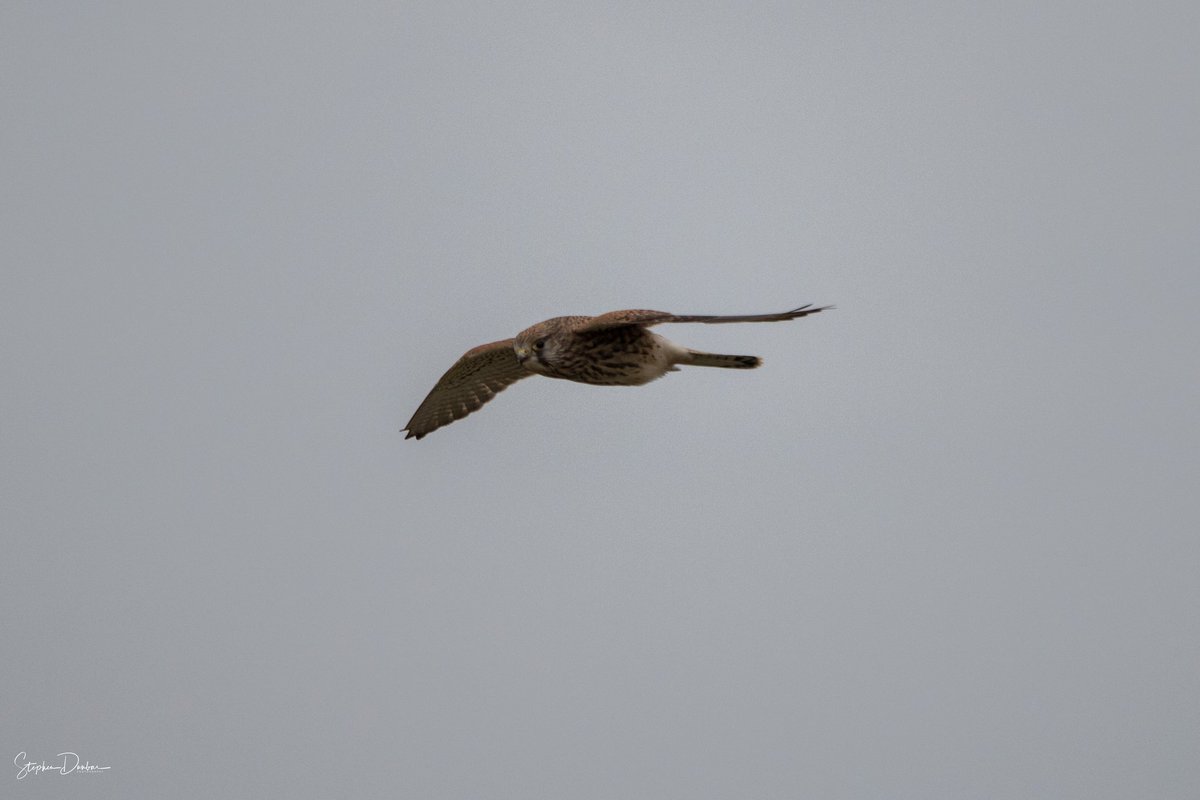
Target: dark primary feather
{"type": "Point", "coordinates": [646, 318]}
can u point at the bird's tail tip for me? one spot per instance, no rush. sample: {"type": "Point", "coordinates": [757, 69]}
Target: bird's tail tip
{"type": "Point", "coordinates": [699, 359]}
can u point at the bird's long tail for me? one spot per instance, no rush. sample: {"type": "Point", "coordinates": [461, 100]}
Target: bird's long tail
{"type": "Point", "coordinates": [699, 359]}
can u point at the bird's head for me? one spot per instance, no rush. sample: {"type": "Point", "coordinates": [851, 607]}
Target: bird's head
{"type": "Point", "coordinates": [539, 346]}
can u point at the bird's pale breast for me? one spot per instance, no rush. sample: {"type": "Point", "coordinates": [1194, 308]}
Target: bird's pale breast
{"type": "Point", "coordinates": [613, 357]}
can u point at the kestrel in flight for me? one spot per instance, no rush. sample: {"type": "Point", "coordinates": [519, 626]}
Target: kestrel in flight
{"type": "Point", "coordinates": [613, 349]}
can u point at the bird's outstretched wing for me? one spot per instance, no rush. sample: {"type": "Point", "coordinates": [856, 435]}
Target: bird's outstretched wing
{"type": "Point", "coordinates": [644, 318]}
{"type": "Point", "coordinates": [472, 381]}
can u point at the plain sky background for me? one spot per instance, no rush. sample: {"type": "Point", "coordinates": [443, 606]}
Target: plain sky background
{"type": "Point", "coordinates": [944, 544]}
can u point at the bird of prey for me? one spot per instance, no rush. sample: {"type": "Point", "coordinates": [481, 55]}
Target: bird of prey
{"type": "Point", "coordinates": [613, 349]}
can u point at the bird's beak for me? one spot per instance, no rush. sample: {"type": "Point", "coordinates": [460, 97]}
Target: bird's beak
{"type": "Point", "coordinates": [522, 354]}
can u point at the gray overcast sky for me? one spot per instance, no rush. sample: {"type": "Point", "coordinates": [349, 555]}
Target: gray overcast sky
{"type": "Point", "coordinates": [942, 545]}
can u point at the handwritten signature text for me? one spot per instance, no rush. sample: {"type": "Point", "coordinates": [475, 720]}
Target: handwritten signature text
{"type": "Point", "coordinates": [70, 763]}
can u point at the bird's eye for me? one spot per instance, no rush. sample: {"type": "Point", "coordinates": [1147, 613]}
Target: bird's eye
{"type": "Point", "coordinates": [539, 344]}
